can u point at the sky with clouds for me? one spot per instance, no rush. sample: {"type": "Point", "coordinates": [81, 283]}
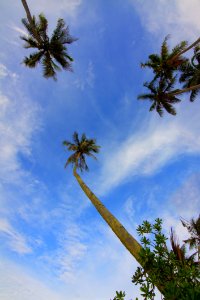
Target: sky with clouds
{"type": "Point", "coordinates": [54, 245]}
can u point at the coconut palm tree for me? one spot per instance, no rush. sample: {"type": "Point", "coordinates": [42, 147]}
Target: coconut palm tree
{"type": "Point", "coordinates": [163, 65]}
{"type": "Point", "coordinates": [180, 251]}
{"type": "Point", "coordinates": [193, 228]}
{"type": "Point", "coordinates": [87, 147]}
{"type": "Point", "coordinates": [190, 74]}
{"type": "Point", "coordinates": [161, 95]}
{"type": "Point", "coordinates": [186, 49]}
{"type": "Point", "coordinates": [51, 52]}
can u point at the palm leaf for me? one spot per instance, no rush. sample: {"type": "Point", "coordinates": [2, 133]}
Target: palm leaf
{"type": "Point", "coordinates": [30, 42]}
{"type": "Point", "coordinates": [48, 69]}
{"type": "Point", "coordinates": [33, 59]}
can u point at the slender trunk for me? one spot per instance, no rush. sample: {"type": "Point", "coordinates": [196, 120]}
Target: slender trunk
{"type": "Point", "coordinates": [127, 240]}
{"type": "Point", "coordinates": [194, 87]}
{"type": "Point", "coordinates": [30, 19]}
{"type": "Point", "coordinates": [186, 49]}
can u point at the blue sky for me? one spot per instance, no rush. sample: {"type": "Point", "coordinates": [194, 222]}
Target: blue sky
{"type": "Point", "coordinates": [54, 245]}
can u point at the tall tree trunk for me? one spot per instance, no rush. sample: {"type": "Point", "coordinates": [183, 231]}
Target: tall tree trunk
{"type": "Point", "coordinates": [127, 240]}
{"type": "Point", "coordinates": [194, 87]}
{"type": "Point", "coordinates": [30, 19]}
{"type": "Point", "coordinates": [186, 49]}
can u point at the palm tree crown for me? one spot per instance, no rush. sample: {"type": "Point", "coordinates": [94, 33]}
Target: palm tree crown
{"type": "Point", "coordinates": [165, 64]}
{"type": "Point", "coordinates": [190, 73]}
{"type": "Point", "coordinates": [52, 52]}
{"type": "Point", "coordinates": [161, 95]}
{"type": "Point", "coordinates": [81, 148]}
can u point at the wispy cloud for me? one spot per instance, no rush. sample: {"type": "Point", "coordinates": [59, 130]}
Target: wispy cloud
{"type": "Point", "coordinates": [18, 284]}
{"type": "Point", "coordinates": [16, 241]}
{"type": "Point", "coordinates": [56, 8]}
{"type": "Point", "coordinates": [146, 151]}
{"type": "Point", "coordinates": [4, 72]}
{"type": "Point", "coordinates": [179, 18]}
{"type": "Point", "coordinates": [87, 79]}
{"type": "Point", "coordinates": [18, 117]}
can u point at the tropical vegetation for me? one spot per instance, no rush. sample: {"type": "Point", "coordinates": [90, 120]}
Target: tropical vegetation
{"type": "Point", "coordinates": [176, 271]}
{"type": "Point", "coordinates": [82, 147]}
{"type": "Point", "coordinates": [166, 68]}
{"type": "Point", "coordinates": [52, 52]}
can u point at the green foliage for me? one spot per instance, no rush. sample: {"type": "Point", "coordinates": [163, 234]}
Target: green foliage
{"type": "Point", "coordinates": [174, 271]}
{"type": "Point", "coordinates": [166, 68]}
{"type": "Point", "coordinates": [193, 228]}
{"type": "Point", "coordinates": [190, 73]}
{"type": "Point", "coordinates": [160, 96]}
{"type": "Point", "coordinates": [52, 52]}
{"type": "Point", "coordinates": [119, 295]}
{"type": "Point", "coordinates": [81, 147]}
{"type": "Point", "coordinates": [177, 274]}
{"type": "Point", "coordinates": [163, 65]}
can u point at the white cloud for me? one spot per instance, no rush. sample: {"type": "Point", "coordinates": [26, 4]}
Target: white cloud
{"type": "Point", "coordinates": [180, 18]}
{"type": "Point", "coordinates": [184, 203]}
{"type": "Point", "coordinates": [69, 7]}
{"type": "Point", "coordinates": [17, 123]}
{"type": "Point", "coordinates": [17, 284]}
{"type": "Point", "coordinates": [4, 72]}
{"type": "Point", "coordinates": [16, 241]}
{"type": "Point", "coordinates": [147, 151]}
{"type": "Point", "coordinates": [87, 79]}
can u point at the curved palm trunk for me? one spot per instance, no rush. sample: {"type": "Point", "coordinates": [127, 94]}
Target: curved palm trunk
{"type": "Point", "coordinates": [186, 90]}
{"type": "Point", "coordinates": [186, 49]}
{"type": "Point", "coordinates": [30, 19]}
{"type": "Point", "coordinates": [127, 240]}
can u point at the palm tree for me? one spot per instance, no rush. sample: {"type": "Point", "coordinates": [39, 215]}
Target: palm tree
{"type": "Point", "coordinates": [191, 74]}
{"type": "Point", "coordinates": [186, 49]}
{"type": "Point", "coordinates": [51, 52]}
{"type": "Point", "coordinates": [163, 65]}
{"type": "Point", "coordinates": [193, 228]}
{"type": "Point", "coordinates": [87, 147]}
{"type": "Point", "coordinates": [180, 251]}
{"type": "Point", "coordinates": [161, 95]}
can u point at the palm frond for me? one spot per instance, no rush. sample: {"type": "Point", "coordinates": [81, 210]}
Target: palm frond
{"type": "Point", "coordinates": [159, 109]}
{"type": "Point", "coordinates": [178, 48]}
{"type": "Point", "coordinates": [169, 108]}
{"type": "Point", "coordinates": [71, 160]}
{"type": "Point", "coordinates": [48, 69]}
{"type": "Point", "coordinates": [62, 34]}
{"type": "Point", "coordinates": [42, 27]}
{"type": "Point", "coordinates": [30, 42]}
{"type": "Point", "coordinates": [164, 48]}
{"type": "Point", "coordinates": [76, 138]}
{"type": "Point", "coordinates": [33, 59]}
{"type": "Point", "coordinates": [145, 97]}
{"type": "Point", "coordinates": [194, 94]}
{"type": "Point", "coordinates": [153, 106]}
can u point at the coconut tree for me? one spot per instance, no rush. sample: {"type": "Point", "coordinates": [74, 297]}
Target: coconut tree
{"type": "Point", "coordinates": [51, 52]}
{"type": "Point", "coordinates": [87, 147]}
{"type": "Point", "coordinates": [161, 96]}
{"type": "Point", "coordinates": [163, 66]}
{"type": "Point", "coordinates": [193, 228]}
{"type": "Point", "coordinates": [190, 74]}
{"type": "Point", "coordinates": [185, 49]}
